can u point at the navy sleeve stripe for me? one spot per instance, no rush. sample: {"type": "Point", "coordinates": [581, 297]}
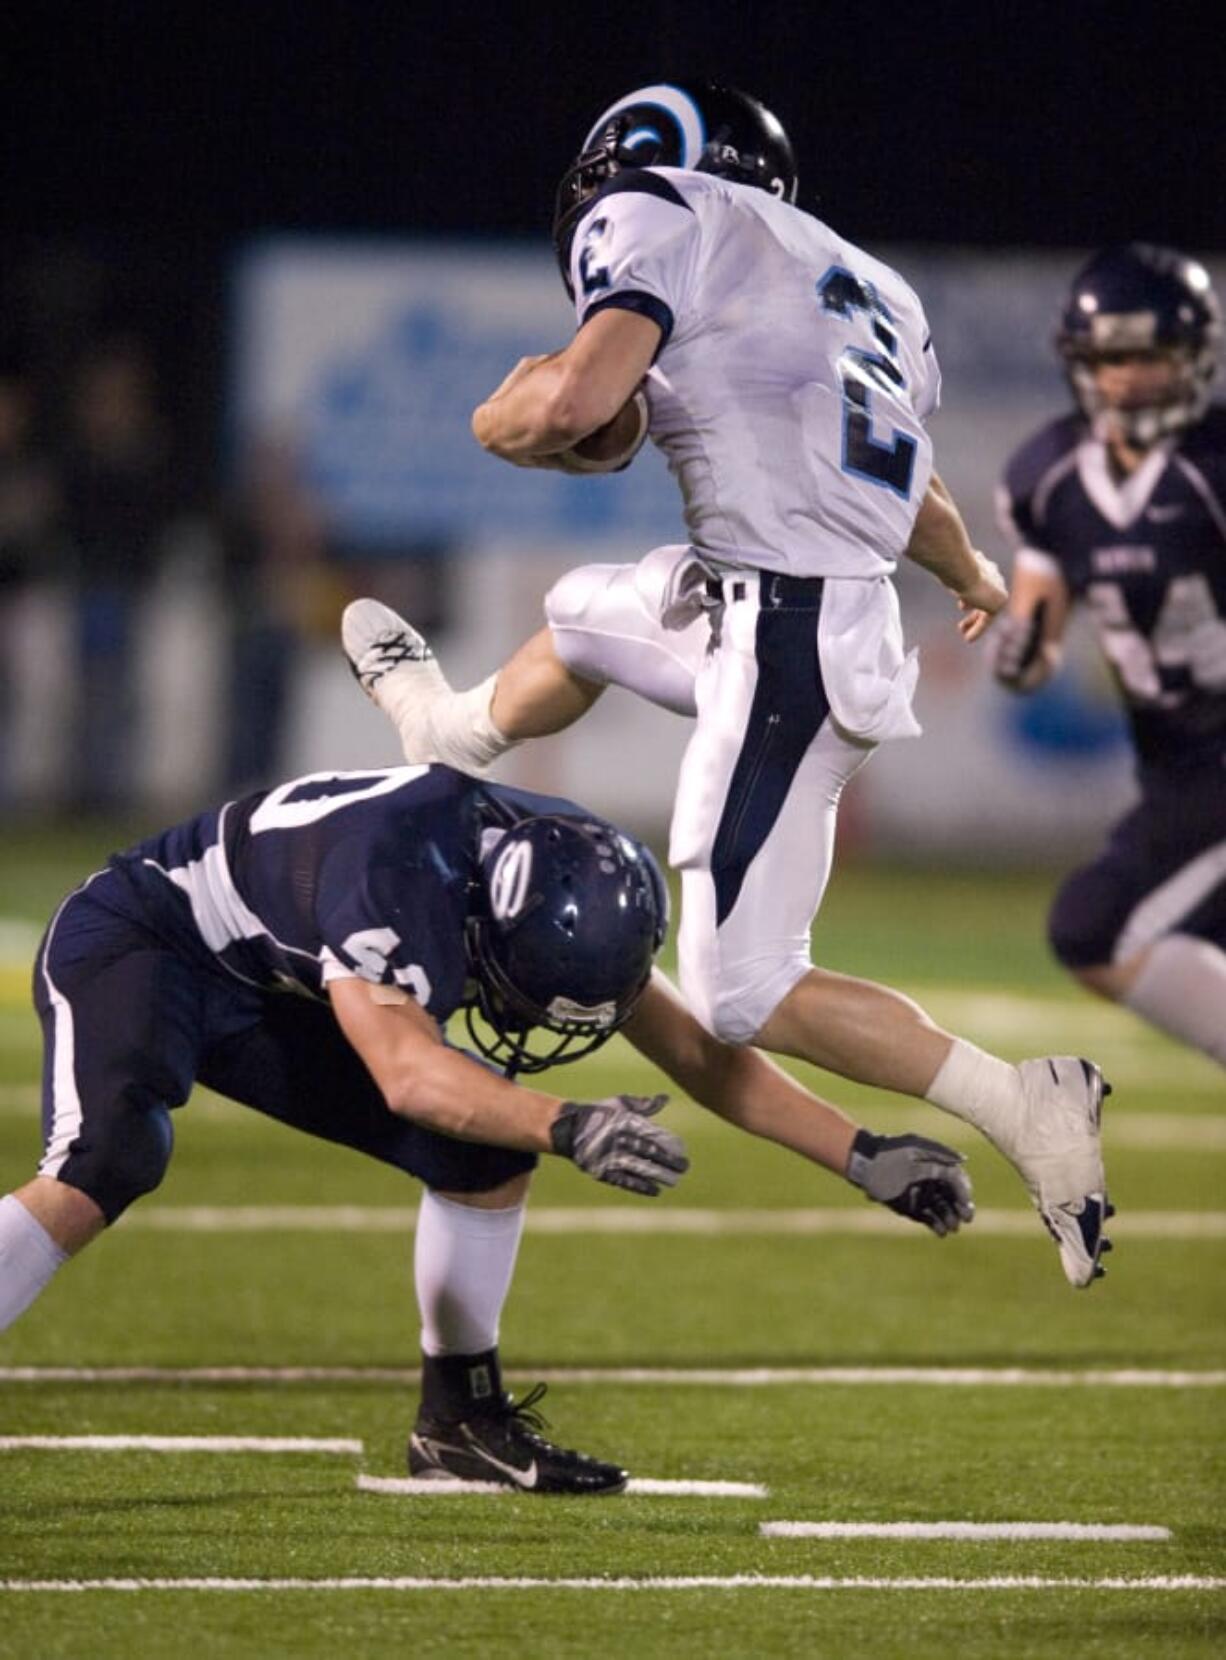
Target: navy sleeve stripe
{"type": "Point", "coordinates": [642, 181]}
{"type": "Point", "coordinates": [646, 305]}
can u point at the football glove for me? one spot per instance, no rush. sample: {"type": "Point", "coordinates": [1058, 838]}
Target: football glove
{"type": "Point", "coordinates": [920, 1179]}
{"type": "Point", "coordinates": [612, 1141]}
{"type": "Point", "coordinates": [1206, 647]}
{"type": "Point", "coordinates": [1017, 644]}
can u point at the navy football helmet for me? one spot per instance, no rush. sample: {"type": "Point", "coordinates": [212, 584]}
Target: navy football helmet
{"type": "Point", "coordinates": [701, 125]}
{"type": "Point", "coordinates": [571, 913]}
{"type": "Point", "coordinates": [1142, 299]}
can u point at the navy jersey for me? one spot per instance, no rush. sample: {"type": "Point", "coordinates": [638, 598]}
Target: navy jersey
{"type": "Point", "coordinates": [336, 874]}
{"type": "Point", "coordinates": [1147, 554]}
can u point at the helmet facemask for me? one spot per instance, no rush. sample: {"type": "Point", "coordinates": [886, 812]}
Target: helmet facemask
{"type": "Point", "coordinates": [1142, 424]}
{"type": "Point", "coordinates": [527, 1038]}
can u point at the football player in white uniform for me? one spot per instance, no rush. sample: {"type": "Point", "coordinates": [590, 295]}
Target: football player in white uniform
{"type": "Point", "coordinates": [786, 376]}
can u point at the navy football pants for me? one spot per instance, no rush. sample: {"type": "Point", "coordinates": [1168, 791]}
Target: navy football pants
{"type": "Point", "coordinates": [129, 1026]}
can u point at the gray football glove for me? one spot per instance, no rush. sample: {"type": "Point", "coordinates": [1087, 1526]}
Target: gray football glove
{"type": "Point", "coordinates": [1017, 641]}
{"type": "Point", "coordinates": [920, 1179]}
{"type": "Point", "coordinates": [1206, 654]}
{"type": "Point", "coordinates": [612, 1141]}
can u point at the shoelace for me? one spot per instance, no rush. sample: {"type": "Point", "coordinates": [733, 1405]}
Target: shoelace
{"type": "Point", "coordinates": [394, 649]}
{"type": "Point", "coordinates": [524, 1412]}
{"type": "Point", "coordinates": [534, 1423]}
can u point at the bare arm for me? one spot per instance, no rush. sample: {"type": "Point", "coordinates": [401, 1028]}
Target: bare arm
{"type": "Point", "coordinates": [548, 403]}
{"type": "Point", "coordinates": [1029, 638]}
{"type": "Point", "coordinates": [741, 1085]}
{"type": "Point", "coordinates": [915, 1177]}
{"type": "Point", "coordinates": [940, 544]}
{"type": "Point", "coordinates": [422, 1079]}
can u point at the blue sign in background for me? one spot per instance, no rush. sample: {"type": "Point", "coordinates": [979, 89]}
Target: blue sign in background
{"type": "Point", "coordinates": [381, 427]}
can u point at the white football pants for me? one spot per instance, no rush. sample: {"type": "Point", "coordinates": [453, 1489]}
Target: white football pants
{"type": "Point", "coordinates": [757, 797]}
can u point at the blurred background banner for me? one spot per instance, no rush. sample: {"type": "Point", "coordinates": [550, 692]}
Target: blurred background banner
{"type": "Point", "coordinates": [371, 358]}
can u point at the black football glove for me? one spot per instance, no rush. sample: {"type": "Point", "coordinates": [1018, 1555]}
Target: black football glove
{"type": "Point", "coordinates": [612, 1141]}
{"type": "Point", "coordinates": [918, 1178]}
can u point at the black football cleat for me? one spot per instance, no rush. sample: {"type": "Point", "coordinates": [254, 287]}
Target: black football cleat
{"type": "Point", "coordinates": [506, 1446]}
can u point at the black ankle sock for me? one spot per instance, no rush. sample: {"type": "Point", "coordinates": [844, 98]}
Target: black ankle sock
{"type": "Point", "coordinates": [461, 1386]}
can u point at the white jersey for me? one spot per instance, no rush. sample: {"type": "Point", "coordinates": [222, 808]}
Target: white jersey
{"type": "Point", "coordinates": [794, 376]}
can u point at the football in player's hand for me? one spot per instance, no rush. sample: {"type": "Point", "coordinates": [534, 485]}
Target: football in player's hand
{"type": "Point", "coordinates": [613, 445]}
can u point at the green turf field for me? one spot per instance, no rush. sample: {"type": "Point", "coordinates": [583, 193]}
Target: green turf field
{"type": "Point", "coordinates": [265, 1250]}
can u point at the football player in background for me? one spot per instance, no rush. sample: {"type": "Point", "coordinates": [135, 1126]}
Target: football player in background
{"type": "Point", "coordinates": [1122, 506]}
{"type": "Point", "coordinates": [786, 375]}
{"type": "Point", "coordinates": [299, 952]}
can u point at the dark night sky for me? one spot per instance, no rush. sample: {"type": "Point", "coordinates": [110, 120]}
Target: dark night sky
{"type": "Point", "coordinates": [143, 143]}
{"type": "Point", "coordinates": [1065, 124]}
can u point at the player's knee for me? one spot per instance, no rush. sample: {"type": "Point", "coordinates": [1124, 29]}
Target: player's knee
{"type": "Point", "coordinates": [1072, 932]}
{"type": "Point", "coordinates": [1104, 979]}
{"type": "Point", "coordinates": [132, 1163]}
{"type": "Point", "coordinates": [568, 602]}
{"type": "Point", "coordinates": [1080, 930]}
{"type": "Point", "coordinates": [732, 1009]}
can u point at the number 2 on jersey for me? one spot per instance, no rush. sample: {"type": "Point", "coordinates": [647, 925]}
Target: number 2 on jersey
{"type": "Point", "coordinates": [889, 464]}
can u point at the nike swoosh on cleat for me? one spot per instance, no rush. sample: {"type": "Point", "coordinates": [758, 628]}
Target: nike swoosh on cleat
{"type": "Point", "coordinates": [437, 1450]}
{"type": "Point", "coordinates": [526, 1478]}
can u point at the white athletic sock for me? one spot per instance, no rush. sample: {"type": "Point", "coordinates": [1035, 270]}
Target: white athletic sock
{"type": "Point", "coordinates": [28, 1259]}
{"type": "Point", "coordinates": [462, 1264]}
{"type": "Point", "coordinates": [462, 729]}
{"type": "Point", "coordinates": [1181, 989]}
{"type": "Point", "coordinates": [436, 724]}
{"type": "Point", "coordinates": [979, 1088]}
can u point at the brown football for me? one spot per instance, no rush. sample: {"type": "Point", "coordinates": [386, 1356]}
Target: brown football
{"type": "Point", "coordinates": [614, 444]}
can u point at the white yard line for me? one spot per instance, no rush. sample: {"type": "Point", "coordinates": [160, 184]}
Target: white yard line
{"type": "Point", "coordinates": [695, 1582]}
{"type": "Point", "coordinates": [179, 1444]}
{"type": "Point", "coordinates": [624, 1219]}
{"type": "Point", "coordinates": [960, 1530]}
{"type": "Point", "coordinates": [640, 1486]}
{"type": "Point", "coordinates": [737, 1377]}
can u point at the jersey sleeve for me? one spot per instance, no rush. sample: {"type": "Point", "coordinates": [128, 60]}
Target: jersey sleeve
{"type": "Point", "coordinates": [928, 385]}
{"type": "Point", "coordinates": [391, 925]}
{"type": "Point", "coordinates": [1201, 457]}
{"type": "Point", "coordinates": [1029, 477]}
{"type": "Point", "coordinates": [636, 249]}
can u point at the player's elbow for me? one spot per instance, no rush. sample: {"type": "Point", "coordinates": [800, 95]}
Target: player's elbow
{"type": "Point", "coordinates": [412, 1094]}
{"type": "Point", "coordinates": [481, 425]}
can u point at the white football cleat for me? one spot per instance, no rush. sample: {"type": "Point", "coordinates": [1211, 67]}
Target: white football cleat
{"type": "Point", "coordinates": [397, 670]}
{"type": "Point", "coordinates": [1056, 1149]}
{"type": "Point", "coordinates": [379, 642]}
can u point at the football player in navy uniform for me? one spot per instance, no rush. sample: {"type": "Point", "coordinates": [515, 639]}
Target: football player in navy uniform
{"type": "Point", "coordinates": [1122, 506]}
{"type": "Point", "coordinates": [299, 951]}
{"type": "Point", "coordinates": [786, 375]}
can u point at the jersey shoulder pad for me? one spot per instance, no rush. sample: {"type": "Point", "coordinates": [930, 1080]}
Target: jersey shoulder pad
{"type": "Point", "coordinates": [1205, 443]}
{"type": "Point", "coordinates": [1045, 449]}
{"type": "Point", "coordinates": [633, 249]}
{"type": "Point", "coordinates": [665, 184]}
